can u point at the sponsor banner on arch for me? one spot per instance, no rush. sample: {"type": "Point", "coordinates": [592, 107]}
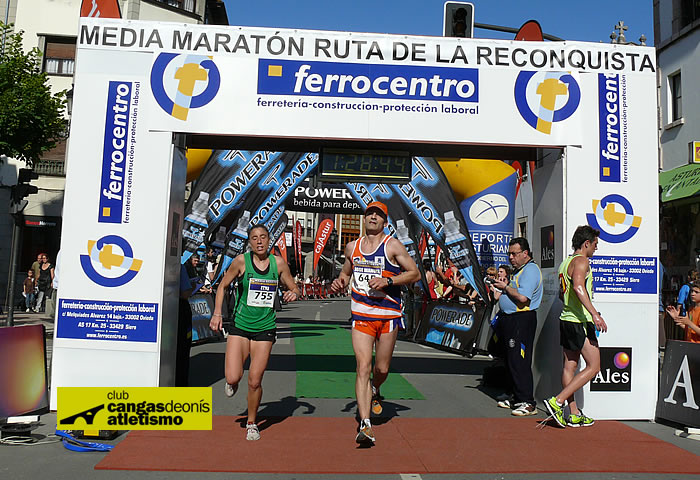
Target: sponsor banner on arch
{"type": "Point", "coordinates": [612, 186]}
{"type": "Point", "coordinates": [328, 197]}
{"type": "Point", "coordinates": [227, 80]}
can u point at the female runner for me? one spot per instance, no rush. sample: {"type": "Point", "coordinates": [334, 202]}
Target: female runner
{"type": "Point", "coordinates": [254, 327]}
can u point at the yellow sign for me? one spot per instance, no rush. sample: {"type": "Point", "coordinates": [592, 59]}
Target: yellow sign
{"type": "Point", "coordinates": [134, 408]}
{"type": "Point", "coordinates": [695, 154]}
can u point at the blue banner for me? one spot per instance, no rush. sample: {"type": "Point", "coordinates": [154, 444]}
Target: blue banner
{"type": "Point", "coordinates": [107, 320]}
{"type": "Point", "coordinates": [114, 154]}
{"type": "Point", "coordinates": [490, 217]}
{"type": "Point", "coordinates": [609, 126]}
{"type": "Point", "coordinates": [362, 80]}
{"type": "Point", "coordinates": [624, 274]}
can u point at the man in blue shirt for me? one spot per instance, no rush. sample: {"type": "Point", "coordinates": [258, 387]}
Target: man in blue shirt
{"type": "Point", "coordinates": [517, 322]}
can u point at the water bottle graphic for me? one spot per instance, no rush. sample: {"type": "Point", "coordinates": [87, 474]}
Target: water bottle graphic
{"type": "Point", "coordinates": [405, 239]}
{"type": "Point", "coordinates": [455, 241]}
{"type": "Point", "coordinates": [220, 239]}
{"type": "Point", "coordinates": [235, 244]}
{"type": "Point", "coordinates": [195, 226]}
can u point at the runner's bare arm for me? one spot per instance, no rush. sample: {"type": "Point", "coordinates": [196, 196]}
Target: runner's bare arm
{"type": "Point", "coordinates": [342, 281]}
{"type": "Point", "coordinates": [236, 268]}
{"type": "Point", "coordinates": [292, 292]}
{"type": "Point", "coordinates": [397, 253]}
{"type": "Point", "coordinates": [579, 269]}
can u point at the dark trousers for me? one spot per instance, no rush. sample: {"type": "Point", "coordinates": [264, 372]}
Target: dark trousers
{"type": "Point", "coordinates": [517, 332]}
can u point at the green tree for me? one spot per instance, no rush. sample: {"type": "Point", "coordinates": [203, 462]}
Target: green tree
{"type": "Point", "coordinates": [31, 118]}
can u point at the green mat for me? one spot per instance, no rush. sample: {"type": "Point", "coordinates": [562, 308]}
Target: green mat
{"type": "Point", "coordinates": [326, 365]}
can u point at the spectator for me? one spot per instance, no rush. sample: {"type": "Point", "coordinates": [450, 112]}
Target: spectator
{"type": "Point", "coordinates": [684, 301]}
{"type": "Point", "coordinates": [517, 322]}
{"type": "Point", "coordinates": [691, 321]}
{"type": "Point", "coordinates": [51, 301]}
{"type": "Point", "coordinates": [36, 265]}
{"type": "Point", "coordinates": [28, 290]}
{"type": "Point", "coordinates": [503, 275]}
{"type": "Point", "coordinates": [44, 282]}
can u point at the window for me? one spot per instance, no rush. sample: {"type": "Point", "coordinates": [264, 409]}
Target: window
{"type": "Point", "coordinates": [187, 5]}
{"type": "Point", "coordinates": [676, 96]}
{"type": "Point", "coordinates": [59, 55]}
{"type": "Point", "coordinates": [690, 11]}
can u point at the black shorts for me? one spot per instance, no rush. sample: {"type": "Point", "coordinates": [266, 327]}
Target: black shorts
{"type": "Point", "coordinates": [264, 336]}
{"type": "Point", "coordinates": [573, 335]}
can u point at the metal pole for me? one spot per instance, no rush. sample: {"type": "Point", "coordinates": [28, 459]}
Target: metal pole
{"type": "Point", "coordinates": [13, 269]}
{"type": "Point", "coordinates": [499, 28]}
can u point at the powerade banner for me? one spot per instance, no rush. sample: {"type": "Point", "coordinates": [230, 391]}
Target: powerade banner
{"type": "Point", "coordinates": [430, 199]}
{"type": "Point", "coordinates": [450, 326]}
{"type": "Point", "coordinates": [265, 201]}
{"type": "Point", "coordinates": [225, 181]}
{"type": "Point", "coordinates": [277, 231]}
{"type": "Point", "coordinates": [490, 213]}
{"type": "Point", "coordinates": [327, 197]}
{"type": "Point", "coordinates": [202, 306]}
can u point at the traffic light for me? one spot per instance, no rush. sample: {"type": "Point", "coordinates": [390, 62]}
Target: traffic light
{"type": "Point", "coordinates": [459, 20]}
{"type": "Point", "coordinates": [22, 189]}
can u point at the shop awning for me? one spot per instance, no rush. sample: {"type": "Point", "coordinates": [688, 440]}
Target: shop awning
{"type": "Point", "coordinates": [680, 182]}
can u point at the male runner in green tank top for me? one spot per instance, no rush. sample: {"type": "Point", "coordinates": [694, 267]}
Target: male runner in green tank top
{"type": "Point", "coordinates": [579, 321]}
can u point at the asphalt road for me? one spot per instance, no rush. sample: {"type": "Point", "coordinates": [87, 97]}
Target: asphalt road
{"type": "Point", "coordinates": [450, 383]}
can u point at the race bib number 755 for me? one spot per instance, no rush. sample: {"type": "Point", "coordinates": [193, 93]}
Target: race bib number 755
{"type": "Point", "coordinates": [261, 292]}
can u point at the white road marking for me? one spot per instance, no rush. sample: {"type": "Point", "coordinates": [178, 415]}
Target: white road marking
{"type": "Point", "coordinates": [410, 476]}
{"type": "Point", "coordinates": [434, 353]}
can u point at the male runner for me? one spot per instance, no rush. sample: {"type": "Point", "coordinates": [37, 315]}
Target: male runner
{"type": "Point", "coordinates": [377, 264]}
{"type": "Point", "coordinates": [579, 321]}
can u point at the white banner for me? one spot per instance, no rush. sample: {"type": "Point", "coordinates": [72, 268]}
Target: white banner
{"type": "Point", "coordinates": [289, 83]}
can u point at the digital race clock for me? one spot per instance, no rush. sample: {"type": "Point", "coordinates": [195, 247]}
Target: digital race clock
{"type": "Point", "coordinates": [365, 166]}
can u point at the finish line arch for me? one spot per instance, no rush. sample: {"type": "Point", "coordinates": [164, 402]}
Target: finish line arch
{"type": "Point", "coordinates": [145, 91]}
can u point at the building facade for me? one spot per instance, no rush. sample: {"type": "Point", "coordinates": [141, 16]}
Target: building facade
{"type": "Point", "coordinates": [52, 26]}
{"type": "Point", "coordinates": [677, 41]}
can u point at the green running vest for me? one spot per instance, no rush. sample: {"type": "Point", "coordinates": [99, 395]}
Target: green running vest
{"type": "Point", "coordinates": [250, 318]}
{"type": "Point", "coordinates": [574, 311]}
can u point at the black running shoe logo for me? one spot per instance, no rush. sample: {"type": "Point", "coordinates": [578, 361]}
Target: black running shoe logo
{"type": "Point", "coordinates": [87, 415]}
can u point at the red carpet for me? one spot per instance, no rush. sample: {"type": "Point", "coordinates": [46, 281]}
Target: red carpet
{"type": "Point", "coordinates": [404, 445]}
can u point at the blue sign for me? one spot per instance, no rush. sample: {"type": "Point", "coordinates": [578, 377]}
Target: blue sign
{"type": "Point", "coordinates": [609, 127]}
{"type": "Point", "coordinates": [362, 80]}
{"type": "Point", "coordinates": [107, 320]}
{"type": "Point", "coordinates": [624, 274]}
{"type": "Point", "coordinates": [114, 154]}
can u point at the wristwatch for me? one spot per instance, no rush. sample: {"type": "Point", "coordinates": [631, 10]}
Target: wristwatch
{"type": "Point", "coordinates": [389, 281]}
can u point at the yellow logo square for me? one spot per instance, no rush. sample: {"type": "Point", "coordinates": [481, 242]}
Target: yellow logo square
{"type": "Point", "coordinates": [274, 70]}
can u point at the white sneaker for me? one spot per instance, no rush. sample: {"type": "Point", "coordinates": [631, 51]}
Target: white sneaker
{"type": "Point", "coordinates": [524, 409]}
{"type": "Point", "coordinates": [27, 310]}
{"type": "Point", "coordinates": [230, 390]}
{"type": "Point", "coordinates": [252, 432]}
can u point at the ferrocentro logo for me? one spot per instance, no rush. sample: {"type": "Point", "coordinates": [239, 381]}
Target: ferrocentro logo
{"type": "Point", "coordinates": [614, 216]}
{"type": "Point", "coordinates": [544, 98]}
{"type": "Point", "coordinates": [489, 209]}
{"type": "Point", "coordinates": [183, 81]}
{"type": "Point", "coordinates": [107, 266]}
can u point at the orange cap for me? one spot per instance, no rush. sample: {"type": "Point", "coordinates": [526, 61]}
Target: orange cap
{"type": "Point", "coordinates": [379, 206]}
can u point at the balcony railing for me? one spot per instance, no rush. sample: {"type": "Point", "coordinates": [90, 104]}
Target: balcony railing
{"type": "Point", "coordinates": [50, 167]}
